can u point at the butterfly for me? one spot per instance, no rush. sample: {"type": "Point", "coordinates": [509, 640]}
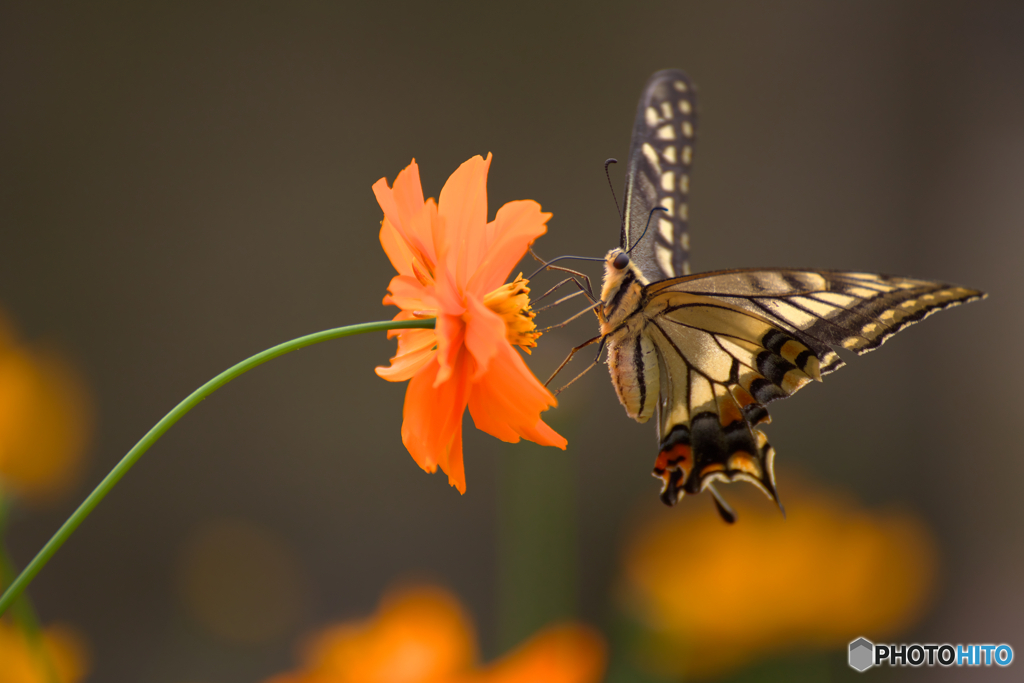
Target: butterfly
{"type": "Point", "coordinates": [704, 354]}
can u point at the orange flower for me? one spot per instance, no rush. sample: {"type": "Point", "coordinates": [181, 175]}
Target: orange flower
{"type": "Point", "coordinates": [58, 656]}
{"type": "Point", "coordinates": [451, 265]}
{"type": "Point", "coordinates": [44, 421]}
{"type": "Point", "coordinates": [422, 635]}
{"type": "Point", "coordinates": [711, 598]}
{"type": "Point", "coordinates": [418, 634]}
{"type": "Point", "coordinates": [564, 653]}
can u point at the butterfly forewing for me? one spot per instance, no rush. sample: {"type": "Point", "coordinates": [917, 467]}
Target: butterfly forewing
{"type": "Point", "coordinates": [658, 174]}
{"type": "Point", "coordinates": [826, 309]}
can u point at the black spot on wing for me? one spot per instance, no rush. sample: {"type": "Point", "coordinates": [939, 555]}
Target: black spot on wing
{"type": "Point", "coordinates": [773, 367]}
{"type": "Point", "coordinates": [680, 435]}
{"type": "Point", "coordinates": [774, 340]}
{"type": "Point", "coordinates": [709, 447]}
{"type": "Point", "coordinates": [755, 413]}
{"type": "Point", "coordinates": [734, 369]}
{"type": "Point", "coordinates": [765, 391]}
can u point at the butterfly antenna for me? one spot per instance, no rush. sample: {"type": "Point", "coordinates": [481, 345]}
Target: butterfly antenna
{"type": "Point", "coordinates": [607, 163]}
{"type": "Point", "coordinates": [649, 216]}
{"type": "Point", "coordinates": [724, 509]}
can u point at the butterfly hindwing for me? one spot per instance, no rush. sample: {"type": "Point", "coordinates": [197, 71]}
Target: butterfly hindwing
{"type": "Point", "coordinates": [723, 365]}
{"type": "Point", "coordinates": [658, 174]}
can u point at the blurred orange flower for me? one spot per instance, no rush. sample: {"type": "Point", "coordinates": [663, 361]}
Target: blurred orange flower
{"type": "Point", "coordinates": [422, 635]}
{"type": "Point", "coordinates": [60, 652]}
{"type": "Point", "coordinates": [710, 598]}
{"type": "Point", "coordinates": [44, 421]}
{"type": "Point", "coordinates": [565, 653]}
{"type": "Point", "coordinates": [451, 265]}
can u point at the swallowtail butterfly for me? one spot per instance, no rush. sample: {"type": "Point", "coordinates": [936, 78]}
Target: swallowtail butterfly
{"type": "Point", "coordinates": [704, 354]}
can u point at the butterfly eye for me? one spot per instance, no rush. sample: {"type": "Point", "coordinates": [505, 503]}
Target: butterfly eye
{"type": "Point", "coordinates": [621, 261]}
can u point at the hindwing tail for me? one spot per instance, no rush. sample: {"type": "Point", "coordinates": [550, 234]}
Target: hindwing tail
{"type": "Point", "coordinates": [736, 363]}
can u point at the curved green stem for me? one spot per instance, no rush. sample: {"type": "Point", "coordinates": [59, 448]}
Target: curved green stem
{"type": "Point", "coordinates": [87, 506]}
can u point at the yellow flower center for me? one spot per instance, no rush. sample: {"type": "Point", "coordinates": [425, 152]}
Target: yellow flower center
{"type": "Point", "coordinates": [512, 303]}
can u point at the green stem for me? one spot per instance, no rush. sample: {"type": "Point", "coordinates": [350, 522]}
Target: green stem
{"type": "Point", "coordinates": [51, 547]}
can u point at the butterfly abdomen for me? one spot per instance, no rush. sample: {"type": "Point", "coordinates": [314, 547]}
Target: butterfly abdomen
{"type": "Point", "coordinates": [633, 365]}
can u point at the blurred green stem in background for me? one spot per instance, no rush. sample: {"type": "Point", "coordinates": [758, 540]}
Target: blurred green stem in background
{"type": "Point", "coordinates": [151, 437]}
{"type": "Point", "coordinates": [537, 537]}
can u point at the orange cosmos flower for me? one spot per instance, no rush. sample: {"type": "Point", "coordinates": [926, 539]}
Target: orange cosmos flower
{"type": "Point", "coordinates": [58, 657]}
{"type": "Point", "coordinates": [422, 635]}
{"type": "Point", "coordinates": [419, 634]}
{"type": "Point", "coordinates": [45, 420]}
{"type": "Point", "coordinates": [711, 598]}
{"type": "Point", "coordinates": [451, 265]}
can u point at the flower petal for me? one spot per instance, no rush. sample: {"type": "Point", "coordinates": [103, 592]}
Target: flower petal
{"type": "Point", "coordinates": [485, 332]}
{"type": "Point", "coordinates": [432, 421]}
{"type": "Point", "coordinates": [507, 401]}
{"type": "Point", "coordinates": [396, 248]}
{"type": "Point", "coordinates": [566, 653]}
{"type": "Point", "coordinates": [418, 634]}
{"type": "Point", "coordinates": [402, 206]}
{"type": "Point", "coordinates": [407, 190]}
{"type": "Point", "coordinates": [415, 349]}
{"type": "Point", "coordinates": [516, 226]}
{"type": "Point", "coordinates": [450, 299]}
{"type": "Point", "coordinates": [451, 335]}
{"type": "Point", "coordinates": [462, 207]}
{"type": "Point", "coordinates": [408, 294]}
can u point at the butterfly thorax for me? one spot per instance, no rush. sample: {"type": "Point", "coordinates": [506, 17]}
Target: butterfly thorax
{"type": "Point", "coordinates": [622, 294]}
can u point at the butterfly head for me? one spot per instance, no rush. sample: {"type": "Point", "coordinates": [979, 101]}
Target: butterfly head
{"type": "Point", "coordinates": [623, 286]}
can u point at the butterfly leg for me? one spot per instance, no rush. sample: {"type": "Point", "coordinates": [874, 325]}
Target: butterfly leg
{"type": "Point", "coordinates": [569, 320]}
{"type": "Point", "coordinates": [599, 338]}
{"type": "Point", "coordinates": [588, 290]}
{"type": "Point", "coordinates": [562, 300]}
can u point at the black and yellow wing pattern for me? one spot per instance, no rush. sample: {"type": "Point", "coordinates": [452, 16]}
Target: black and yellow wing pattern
{"type": "Point", "coordinates": [731, 342]}
{"type": "Point", "coordinates": [706, 353]}
{"type": "Point", "coordinates": [658, 175]}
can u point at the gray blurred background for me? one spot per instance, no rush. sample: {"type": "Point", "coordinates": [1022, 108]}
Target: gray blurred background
{"type": "Point", "coordinates": [184, 185]}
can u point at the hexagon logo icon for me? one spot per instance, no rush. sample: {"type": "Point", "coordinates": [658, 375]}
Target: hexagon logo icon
{"type": "Point", "coordinates": [862, 654]}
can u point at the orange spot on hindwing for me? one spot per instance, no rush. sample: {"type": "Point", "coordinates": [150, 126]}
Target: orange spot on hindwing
{"type": "Point", "coordinates": [674, 464]}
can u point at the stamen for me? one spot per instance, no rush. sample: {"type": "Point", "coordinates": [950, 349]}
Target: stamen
{"type": "Point", "coordinates": [512, 302]}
